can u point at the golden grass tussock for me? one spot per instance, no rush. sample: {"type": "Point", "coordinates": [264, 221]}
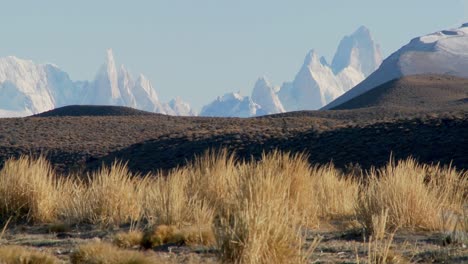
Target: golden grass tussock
{"type": "Point", "coordinates": [265, 221]}
{"type": "Point", "coordinates": [100, 252]}
{"type": "Point", "coordinates": [130, 239]}
{"type": "Point", "coordinates": [29, 190]}
{"type": "Point", "coordinates": [415, 196]}
{"type": "Point", "coordinates": [17, 254]}
{"type": "Point", "coordinates": [170, 234]}
{"type": "Point", "coordinates": [113, 196]}
{"type": "Point", "coordinates": [253, 212]}
{"type": "Point", "coordinates": [198, 235]}
{"type": "Point", "coordinates": [213, 177]}
{"type": "Point", "coordinates": [160, 235]}
{"type": "Point", "coordinates": [167, 201]}
{"type": "Point", "coordinates": [335, 193]}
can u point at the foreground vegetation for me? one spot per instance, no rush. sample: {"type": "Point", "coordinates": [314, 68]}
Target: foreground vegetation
{"type": "Point", "coordinates": [248, 212]}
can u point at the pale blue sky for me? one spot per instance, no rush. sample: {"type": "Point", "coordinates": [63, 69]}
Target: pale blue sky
{"type": "Point", "coordinates": [203, 48]}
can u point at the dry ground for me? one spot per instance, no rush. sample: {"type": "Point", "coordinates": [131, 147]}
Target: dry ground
{"type": "Point", "coordinates": [336, 246]}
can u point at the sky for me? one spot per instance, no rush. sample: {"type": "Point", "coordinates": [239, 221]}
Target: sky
{"type": "Point", "coordinates": [201, 49]}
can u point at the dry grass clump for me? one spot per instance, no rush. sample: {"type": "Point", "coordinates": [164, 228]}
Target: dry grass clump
{"type": "Point", "coordinates": [214, 177]}
{"type": "Point", "coordinates": [266, 217]}
{"type": "Point", "coordinates": [414, 195]}
{"type": "Point", "coordinates": [170, 234]}
{"type": "Point", "coordinates": [130, 239]}
{"type": "Point", "coordinates": [166, 201]}
{"type": "Point", "coordinates": [29, 190]}
{"type": "Point", "coordinates": [334, 193]}
{"type": "Point", "coordinates": [380, 245]}
{"type": "Point", "coordinates": [17, 254]}
{"type": "Point", "coordinates": [161, 235]}
{"type": "Point", "coordinates": [380, 251]}
{"type": "Point", "coordinates": [456, 227]}
{"type": "Point", "coordinates": [110, 196]}
{"type": "Point", "coordinates": [99, 252]}
{"type": "Point", "coordinates": [320, 192]}
{"type": "Point", "coordinates": [170, 200]}
{"type": "Point", "coordinates": [198, 235]}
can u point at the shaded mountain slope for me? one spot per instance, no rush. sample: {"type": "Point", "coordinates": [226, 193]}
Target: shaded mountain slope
{"type": "Point", "coordinates": [415, 92]}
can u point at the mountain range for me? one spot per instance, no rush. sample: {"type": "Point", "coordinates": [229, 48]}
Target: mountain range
{"type": "Point", "coordinates": [316, 84]}
{"type": "Point", "coordinates": [27, 88]}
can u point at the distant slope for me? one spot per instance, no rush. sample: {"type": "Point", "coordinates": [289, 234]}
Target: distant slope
{"type": "Point", "coordinates": [93, 110]}
{"type": "Point", "coordinates": [416, 92]}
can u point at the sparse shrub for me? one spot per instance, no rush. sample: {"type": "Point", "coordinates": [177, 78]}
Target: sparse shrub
{"type": "Point", "coordinates": [17, 254]}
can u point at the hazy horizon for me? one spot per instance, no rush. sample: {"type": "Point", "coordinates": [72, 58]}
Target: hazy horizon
{"type": "Point", "coordinates": [200, 50]}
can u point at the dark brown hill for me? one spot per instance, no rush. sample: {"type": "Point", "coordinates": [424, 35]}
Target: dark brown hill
{"type": "Point", "coordinates": [93, 110]}
{"type": "Point", "coordinates": [415, 92]}
{"type": "Point", "coordinates": [153, 142]}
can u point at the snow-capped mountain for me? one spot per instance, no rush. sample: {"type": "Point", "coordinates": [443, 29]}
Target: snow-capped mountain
{"type": "Point", "coordinates": [316, 84]}
{"type": "Point", "coordinates": [181, 108]}
{"type": "Point", "coordinates": [443, 52]}
{"type": "Point", "coordinates": [232, 105]}
{"type": "Point", "coordinates": [358, 51]}
{"type": "Point", "coordinates": [313, 87]}
{"type": "Point", "coordinates": [27, 88]}
{"type": "Point", "coordinates": [264, 101]}
{"type": "Point", "coordinates": [105, 88]}
{"type": "Point", "coordinates": [264, 95]}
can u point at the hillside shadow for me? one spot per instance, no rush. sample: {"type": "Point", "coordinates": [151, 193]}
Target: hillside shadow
{"type": "Point", "coordinates": [441, 141]}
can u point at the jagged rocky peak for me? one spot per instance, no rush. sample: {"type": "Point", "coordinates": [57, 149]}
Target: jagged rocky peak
{"type": "Point", "coordinates": [312, 58]}
{"type": "Point", "coordinates": [264, 94]}
{"type": "Point", "coordinates": [112, 73]}
{"type": "Point", "coordinates": [181, 107]}
{"type": "Point", "coordinates": [232, 105]}
{"type": "Point", "coordinates": [358, 50]}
